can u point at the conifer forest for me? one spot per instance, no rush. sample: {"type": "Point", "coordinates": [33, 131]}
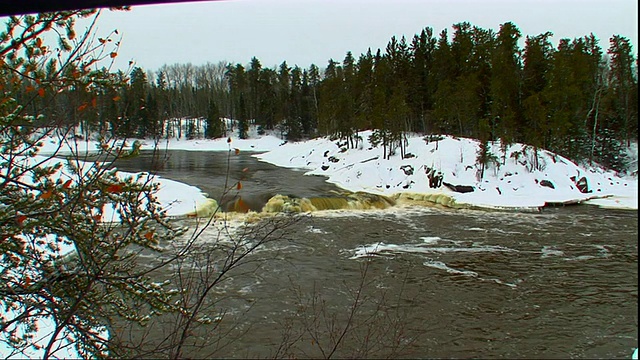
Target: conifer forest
{"type": "Point", "coordinates": [576, 99]}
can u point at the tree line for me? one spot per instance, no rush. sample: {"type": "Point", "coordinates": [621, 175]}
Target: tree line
{"type": "Point", "coordinates": [575, 99]}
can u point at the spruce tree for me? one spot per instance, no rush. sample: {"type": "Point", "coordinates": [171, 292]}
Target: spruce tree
{"type": "Point", "coordinates": [214, 128]}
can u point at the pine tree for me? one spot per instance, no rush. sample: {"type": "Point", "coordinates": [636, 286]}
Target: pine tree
{"type": "Point", "coordinates": [623, 82]}
{"type": "Point", "coordinates": [214, 128]}
{"type": "Point", "coordinates": [506, 85]}
{"type": "Point", "coordinates": [421, 88]}
{"type": "Point", "coordinates": [537, 57]}
{"type": "Point", "coordinates": [243, 124]}
{"type": "Point", "coordinates": [255, 90]}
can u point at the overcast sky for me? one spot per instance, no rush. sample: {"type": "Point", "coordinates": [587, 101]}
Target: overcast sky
{"type": "Point", "coordinates": [303, 32]}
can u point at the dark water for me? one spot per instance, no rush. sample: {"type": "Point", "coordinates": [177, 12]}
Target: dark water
{"type": "Point", "coordinates": [428, 282]}
{"type": "Point", "coordinates": [208, 171]}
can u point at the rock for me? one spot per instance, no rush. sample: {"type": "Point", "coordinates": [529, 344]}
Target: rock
{"type": "Point", "coordinates": [435, 177]}
{"type": "Point", "coordinates": [325, 167]}
{"type": "Point", "coordinates": [459, 188]}
{"type": "Point", "coordinates": [333, 159]}
{"type": "Point", "coordinates": [583, 185]}
{"type": "Point", "coordinates": [547, 183]}
{"type": "Point", "coordinates": [408, 169]}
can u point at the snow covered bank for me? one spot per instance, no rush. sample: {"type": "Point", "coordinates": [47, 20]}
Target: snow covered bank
{"type": "Point", "coordinates": [436, 171]}
{"type": "Point", "coordinates": [446, 170]}
{"type": "Point", "coordinates": [176, 198]}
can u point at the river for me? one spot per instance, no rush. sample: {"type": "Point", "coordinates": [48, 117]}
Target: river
{"type": "Point", "coordinates": [428, 282]}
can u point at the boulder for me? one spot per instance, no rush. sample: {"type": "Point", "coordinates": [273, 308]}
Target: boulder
{"type": "Point", "coordinates": [547, 183]}
{"type": "Point", "coordinates": [459, 188]}
{"type": "Point", "coordinates": [407, 169]}
{"type": "Point", "coordinates": [583, 185]}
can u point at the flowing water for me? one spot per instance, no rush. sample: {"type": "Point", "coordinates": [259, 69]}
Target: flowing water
{"type": "Point", "coordinates": [434, 282]}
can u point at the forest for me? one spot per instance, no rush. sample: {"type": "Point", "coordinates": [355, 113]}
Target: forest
{"type": "Point", "coordinates": [575, 99]}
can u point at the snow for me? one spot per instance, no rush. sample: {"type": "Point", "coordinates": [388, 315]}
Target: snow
{"type": "Point", "coordinates": [514, 184]}
{"type": "Point", "coordinates": [511, 183]}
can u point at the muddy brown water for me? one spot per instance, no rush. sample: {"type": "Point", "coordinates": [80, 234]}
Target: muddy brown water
{"type": "Point", "coordinates": [562, 283]}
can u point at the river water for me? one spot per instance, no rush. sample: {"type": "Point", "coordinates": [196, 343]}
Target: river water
{"type": "Point", "coordinates": [427, 282]}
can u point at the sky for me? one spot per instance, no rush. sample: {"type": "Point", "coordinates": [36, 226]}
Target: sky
{"type": "Point", "coordinates": [305, 32]}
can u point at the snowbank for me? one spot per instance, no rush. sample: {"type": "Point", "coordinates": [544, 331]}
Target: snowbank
{"type": "Point", "coordinates": [510, 182]}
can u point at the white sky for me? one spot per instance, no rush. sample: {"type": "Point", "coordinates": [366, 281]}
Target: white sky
{"type": "Point", "coordinates": [303, 32]}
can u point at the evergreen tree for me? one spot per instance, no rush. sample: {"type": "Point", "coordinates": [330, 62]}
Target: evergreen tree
{"type": "Point", "coordinates": [623, 82]}
{"type": "Point", "coordinates": [506, 85]}
{"type": "Point", "coordinates": [283, 93]}
{"type": "Point", "coordinates": [293, 123]}
{"type": "Point", "coordinates": [537, 57]}
{"type": "Point", "coordinates": [243, 123]}
{"type": "Point", "coordinates": [255, 90]}
{"type": "Point", "coordinates": [328, 99]}
{"type": "Point", "coordinates": [422, 88]}
{"type": "Point", "coordinates": [214, 128]}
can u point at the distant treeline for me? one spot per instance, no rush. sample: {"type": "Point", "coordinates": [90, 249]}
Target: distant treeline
{"type": "Point", "coordinates": [575, 99]}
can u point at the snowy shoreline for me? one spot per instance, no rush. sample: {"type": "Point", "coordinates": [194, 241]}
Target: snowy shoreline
{"type": "Point", "coordinates": [512, 184]}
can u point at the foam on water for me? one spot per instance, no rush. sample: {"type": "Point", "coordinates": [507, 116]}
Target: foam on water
{"type": "Point", "coordinates": [442, 266]}
{"type": "Point", "coordinates": [380, 248]}
{"type": "Point", "coordinates": [430, 240]}
{"type": "Point", "coordinates": [548, 251]}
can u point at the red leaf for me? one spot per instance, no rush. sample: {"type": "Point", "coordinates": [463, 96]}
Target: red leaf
{"type": "Point", "coordinates": [97, 217]}
{"type": "Point", "coordinates": [229, 140]}
{"type": "Point", "coordinates": [114, 188]}
{"type": "Point", "coordinates": [45, 195]}
{"type": "Point", "coordinates": [148, 235]}
{"type": "Point", "coordinates": [113, 54]}
{"type": "Point", "coordinates": [241, 206]}
{"type": "Point", "coordinates": [239, 186]}
{"type": "Point", "coordinates": [41, 92]}
{"type": "Point", "coordinates": [67, 184]}
{"type": "Point", "coordinates": [82, 107]}
{"type": "Point", "coordinates": [237, 151]}
{"type": "Point", "coordinates": [94, 102]}
{"type": "Point", "coordinates": [20, 219]}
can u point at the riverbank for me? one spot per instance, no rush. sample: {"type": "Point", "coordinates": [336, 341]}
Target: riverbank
{"type": "Point", "coordinates": [437, 168]}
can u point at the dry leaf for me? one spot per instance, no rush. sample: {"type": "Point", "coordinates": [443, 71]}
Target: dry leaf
{"type": "Point", "coordinates": [114, 188]}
